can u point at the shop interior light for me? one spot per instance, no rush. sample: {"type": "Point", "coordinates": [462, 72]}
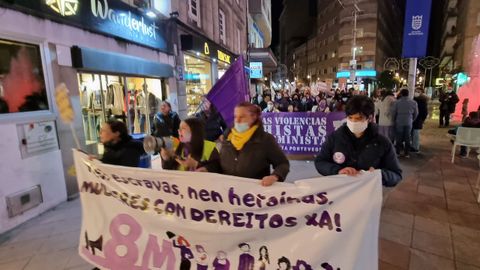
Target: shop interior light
{"type": "Point", "coordinates": [151, 14]}
{"type": "Point", "coordinates": [197, 53]}
{"type": "Point", "coordinates": [214, 60]}
{"type": "Point", "coordinates": [266, 79]}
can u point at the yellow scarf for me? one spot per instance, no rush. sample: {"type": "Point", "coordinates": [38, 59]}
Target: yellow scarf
{"type": "Point", "coordinates": [240, 139]}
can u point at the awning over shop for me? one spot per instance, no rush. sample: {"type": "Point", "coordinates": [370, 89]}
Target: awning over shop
{"type": "Point", "coordinates": [101, 61]}
{"type": "Point", "coordinates": [264, 55]}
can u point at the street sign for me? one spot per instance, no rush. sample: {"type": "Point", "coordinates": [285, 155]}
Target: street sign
{"type": "Point", "coordinates": [417, 20]}
{"type": "Point", "coordinates": [256, 70]}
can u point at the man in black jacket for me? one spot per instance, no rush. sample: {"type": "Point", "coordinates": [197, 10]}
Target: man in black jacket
{"type": "Point", "coordinates": [422, 102]}
{"type": "Point", "coordinates": [166, 122]}
{"type": "Point", "coordinates": [448, 102]}
{"type": "Point", "coordinates": [358, 146]}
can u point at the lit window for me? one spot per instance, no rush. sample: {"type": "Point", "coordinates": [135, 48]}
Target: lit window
{"type": "Point", "coordinates": [22, 83]}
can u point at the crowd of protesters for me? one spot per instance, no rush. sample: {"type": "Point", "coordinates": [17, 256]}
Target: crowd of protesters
{"type": "Point", "coordinates": [304, 101]}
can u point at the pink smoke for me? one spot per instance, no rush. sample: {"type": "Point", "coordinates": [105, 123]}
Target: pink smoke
{"type": "Point", "coordinates": [471, 90]}
{"type": "Point", "coordinates": [20, 81]}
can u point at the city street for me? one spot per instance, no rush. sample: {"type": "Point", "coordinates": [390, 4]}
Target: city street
{"type": "Point", "coordinates": [430, 221]}
{"type": "Point", "coordinates": [247, 89]}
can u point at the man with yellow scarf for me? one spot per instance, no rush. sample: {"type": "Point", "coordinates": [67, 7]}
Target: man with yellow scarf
{"type": "Point", "coordinates": [249, 151]}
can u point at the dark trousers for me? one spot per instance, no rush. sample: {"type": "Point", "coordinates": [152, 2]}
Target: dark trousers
{"type": "Point", "coordinates": [444, 118]}
{"type": "Point", "coordinates": [402, 137]}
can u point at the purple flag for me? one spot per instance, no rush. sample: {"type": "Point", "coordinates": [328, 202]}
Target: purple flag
{"type": "Point", "coordinates": [230, 90]}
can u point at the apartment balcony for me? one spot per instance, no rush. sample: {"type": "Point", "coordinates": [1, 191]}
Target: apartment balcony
{"type": "Point", "coordinates": [363, 16]}
{"type": "Point", "coordinates": [452, 12]}
{"type": "Point", "coordinates": [449, 45]}
{"type": "Point", "coordinates": [260, 16]}
{"type": "Point", "coordinates": [365, 35]}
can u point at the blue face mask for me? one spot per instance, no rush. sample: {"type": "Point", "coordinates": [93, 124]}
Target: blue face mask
{"type": "Point", "coordinates": [241, 127]}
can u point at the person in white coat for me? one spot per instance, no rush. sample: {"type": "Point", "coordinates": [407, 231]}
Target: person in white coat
{"type": "Point", "coordinates": [384, 111]}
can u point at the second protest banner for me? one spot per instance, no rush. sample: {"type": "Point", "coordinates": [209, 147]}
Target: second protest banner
{"type": "Point", "coordinates": [302, 133]}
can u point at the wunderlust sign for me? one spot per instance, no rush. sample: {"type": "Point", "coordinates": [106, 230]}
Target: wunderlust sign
{"type": "Point", "coordinates": [110, 17]}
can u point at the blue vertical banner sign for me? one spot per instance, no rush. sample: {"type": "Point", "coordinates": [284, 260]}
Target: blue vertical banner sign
{"type": "Point", "coordinates": [415, 31]}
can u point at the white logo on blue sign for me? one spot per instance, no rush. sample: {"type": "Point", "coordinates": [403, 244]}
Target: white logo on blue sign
{"type": "Point", "coordinates": [417, 22]}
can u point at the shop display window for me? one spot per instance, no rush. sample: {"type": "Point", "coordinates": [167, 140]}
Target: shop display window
{"type": "Point", "coordinates": [222, 68]}
{"type": "Point", "coordinates": [198, 81]}
{"type": "Point", "coordinates": [22, 84]}
{"type": "Point", "coordinates": [134, 100]}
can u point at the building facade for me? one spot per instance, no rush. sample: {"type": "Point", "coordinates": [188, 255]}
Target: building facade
{"type": "Point", "coordinates": [114, 66]}
{"type": "Point", "coordinates": [328, 53]}
{"type": "Point", "coordinates": [297, 22]}
{"type": "Point", "coordinates": [262, 60]}
{"type": "Point", "coordinates": [461, 26]}
{"type": "Point", "coordinates": [210, 35]}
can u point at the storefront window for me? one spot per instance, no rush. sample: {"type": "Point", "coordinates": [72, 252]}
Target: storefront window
{"type": "Point", "coordinates": [144, 96]}
{"type": "Point", "coordinates": [133, 100]}
{"type": "Point", "coordinates": [222, 68]}
{"type": "Point", "coordinates": [22, 85]}
{"type": "Point", "coordinates": [198, 81]}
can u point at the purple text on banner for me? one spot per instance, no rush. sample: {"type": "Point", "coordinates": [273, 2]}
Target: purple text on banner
{"type": "Point", "coordinates": [302, 133]}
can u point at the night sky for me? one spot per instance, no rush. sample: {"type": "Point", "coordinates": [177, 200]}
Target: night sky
{"type": "Point", "coordinates": [277, 8]}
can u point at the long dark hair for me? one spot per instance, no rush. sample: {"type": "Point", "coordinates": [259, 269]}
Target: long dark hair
{"type": "Point", "coordinates": [198, 137]}
{"type": "Point", "coordinates": [266, 254]}
{"type": "Point", "coordinates": [120, 127]}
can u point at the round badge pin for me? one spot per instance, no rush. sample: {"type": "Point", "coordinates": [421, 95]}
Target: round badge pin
{"type": "Point", "coordinates": [339, 157]}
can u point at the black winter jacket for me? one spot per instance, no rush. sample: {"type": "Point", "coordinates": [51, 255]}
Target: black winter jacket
{"type": "Point", "coordinates": [124, 153]}
{"type": "Point", "coordinates": [166, 125]}
{"type": "Point", "coordinates": [422, 103]}
{"type": "Point", "coordinates": [371, 150]}
{"type": "Point", "coordinates": [255, 158]}
{"type": "Point", "coordinates": [214, 125]}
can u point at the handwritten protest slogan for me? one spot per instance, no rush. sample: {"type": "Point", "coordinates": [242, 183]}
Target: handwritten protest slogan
{"type": "Point", "coordinates": [302, 133]}
{"type": "Point", "coordinates": [145, 219]}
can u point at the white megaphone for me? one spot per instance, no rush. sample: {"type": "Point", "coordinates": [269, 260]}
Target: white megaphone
{"type": "Point", "coordinates": [153, 144]}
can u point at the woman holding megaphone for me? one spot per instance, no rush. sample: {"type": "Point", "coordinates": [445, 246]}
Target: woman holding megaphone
{"type": "Point", "coordinates": [191, 152]}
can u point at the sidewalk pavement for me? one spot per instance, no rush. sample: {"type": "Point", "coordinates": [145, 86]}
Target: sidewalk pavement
{"type": "Point", "coordinates": [430, 221]}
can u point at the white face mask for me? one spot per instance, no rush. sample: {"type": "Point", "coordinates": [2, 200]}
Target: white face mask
{"type": "Point", "coordinates": [241, 127]}
{"type": "Point", "coordinates": [416, 94]}
{"type": "Point", "coordinates": [357, 127]}
{"type": "Point", "coordinates": [270, 107]}
{"type": "Point", "coordinates": [260, 99]}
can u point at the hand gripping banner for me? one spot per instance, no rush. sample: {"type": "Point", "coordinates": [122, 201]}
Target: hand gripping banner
{"type": "Point", "coordinates": [137, 218]}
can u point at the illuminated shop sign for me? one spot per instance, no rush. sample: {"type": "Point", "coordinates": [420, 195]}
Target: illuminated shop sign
{"type": "Point", "coordinates": [111, 17]}
{"type": "Point", "coordinates": [207, 48]}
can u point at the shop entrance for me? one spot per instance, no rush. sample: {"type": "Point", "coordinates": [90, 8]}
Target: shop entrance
{"type": "Point", "coordinates": [133, 100]}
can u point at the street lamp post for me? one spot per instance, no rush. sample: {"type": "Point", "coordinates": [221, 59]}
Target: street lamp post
{"type": "Point", "coordinates": [353, 62]}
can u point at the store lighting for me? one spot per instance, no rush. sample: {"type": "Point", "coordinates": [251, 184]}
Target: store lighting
{"type": "Point", "coordinates": [197, 53]}
{"type": "Point", "coordinates": [308, 77]}
{"type": "Point", "coordinates": [186, 57]}
{"type": "Point", "coordinates": [295, 78]}
{"type": "Point", "coordinates": [214, 60]}
{"type": "Point", "coordinates": [151, 14]}
{"type": "Point", "coordinates": [396, 74]}
{"type": "Point", "coordinates": [266, 79]}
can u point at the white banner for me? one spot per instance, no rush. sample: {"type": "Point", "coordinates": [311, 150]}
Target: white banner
{"type": "Point", "coordinates": [145, 219]}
